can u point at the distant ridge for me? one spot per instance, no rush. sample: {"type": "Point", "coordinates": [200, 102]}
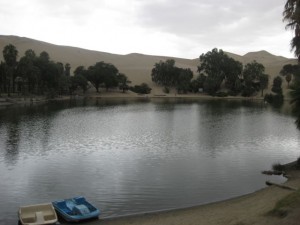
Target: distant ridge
{"type": "Point", "coordinates": [136, 66]}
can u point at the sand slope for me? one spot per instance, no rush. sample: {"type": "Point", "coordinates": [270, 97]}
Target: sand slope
{"type": "Point", "coordinates": [136, 66]}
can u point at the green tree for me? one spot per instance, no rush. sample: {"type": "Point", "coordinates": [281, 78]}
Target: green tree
{"type": "Point", "coordinates": [49, 74]}
{"type": "Point", "coordinates": [165, 73]}
{"type": "Point", "coordinates": [64, 84]}
{"type": "Point", "coordinates": [78, 81]}
{"type": "Point", "coordinates": [288, 79]}
{"type": "Point", "coordinates": [67, 69]}
{"type": "Point", "coordinates": [184, 80]}
{"type": "Point", "coordinates": [10, 54]}
{"type": "Point", "coordinates": [276, 88]}
{"type": "Point", "coordinates": [28, 70]}
{"type": "Point", "coordinates": [2, 77]}
{"type": "Point", "coordinates": [233, 70]}
{"type": "Point", "coordinates": [110, 78]}
{"type": "Point", "coordinates": [263, 82]}
{"type": "Point", "coordinates": [251, 74]}
{"type": "Point", "coordinates": [80, 70]}
{"type": "Point", "coordinates": [123, 82]}
{"type": "Point", "coordinates": [288, 71]}
{"type": "Point", "coordinates": [102, 73]}
{"type": "Point", "coordinates": [291, 15]}
{"type": "Point", "coordinates": [295, 94]}
{"type": "Point", "coordinates": [198, 83]}
{"type": "Point", "coordinates": [217, 66]}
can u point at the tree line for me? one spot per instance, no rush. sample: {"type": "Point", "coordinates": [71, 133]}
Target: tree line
{"type": "Point", "coordinates": [216, 68]}
{"type": "Point", "coordinates": [39, 75]}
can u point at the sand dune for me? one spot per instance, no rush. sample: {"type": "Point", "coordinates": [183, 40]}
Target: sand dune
{"type": "Point", "coordinates": [136, 66]}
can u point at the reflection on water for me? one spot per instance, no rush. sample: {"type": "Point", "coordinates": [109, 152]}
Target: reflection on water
{"type": "Point", "coordinates": [130, 157]}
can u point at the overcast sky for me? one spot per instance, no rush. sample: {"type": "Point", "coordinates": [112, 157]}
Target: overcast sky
{"type": "Point", "coordinates": [181, 28]}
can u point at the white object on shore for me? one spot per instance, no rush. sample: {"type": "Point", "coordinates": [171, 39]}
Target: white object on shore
{"type": "Point", "coordinates": [37, 214]}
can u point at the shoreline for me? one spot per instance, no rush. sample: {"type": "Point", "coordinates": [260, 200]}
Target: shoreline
{"type": "Point", "coordinates": [247, 209]}
{"type": "Point", "coordinates": [9, 101]}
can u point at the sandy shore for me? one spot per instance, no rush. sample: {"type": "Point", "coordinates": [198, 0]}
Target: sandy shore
{"type": "Point", "coordinates": [245, 210]}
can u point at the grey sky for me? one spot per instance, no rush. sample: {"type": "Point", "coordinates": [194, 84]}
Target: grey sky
{"type": "Point", "coordinates": [182, 28]}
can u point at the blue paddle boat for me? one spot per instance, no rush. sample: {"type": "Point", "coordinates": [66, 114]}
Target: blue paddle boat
{"type": "Point", "coordinates": [76, 209]}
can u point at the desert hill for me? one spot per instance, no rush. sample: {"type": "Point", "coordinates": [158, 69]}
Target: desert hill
{"type": "Point", "coordinates": [136, 66]}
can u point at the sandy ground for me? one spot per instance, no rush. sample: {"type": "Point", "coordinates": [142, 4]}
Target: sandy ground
{"type": "Point", "coordinates": [245, 210]}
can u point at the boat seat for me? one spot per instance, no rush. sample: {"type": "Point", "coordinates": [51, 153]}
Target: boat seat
{"type": "Point", "coordinates": [39, 217]}
{"type": "Point", "coordinates": [81, 210]}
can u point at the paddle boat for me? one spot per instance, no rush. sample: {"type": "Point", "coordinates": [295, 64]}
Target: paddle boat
{"type": "Point", "coordinates": [76, 209]}
{"type": "Point", "coordinates": [37, 214]}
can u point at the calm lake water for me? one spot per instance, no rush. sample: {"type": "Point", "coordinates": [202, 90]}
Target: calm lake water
{"type": "Point", "coordinates": [131, 157]}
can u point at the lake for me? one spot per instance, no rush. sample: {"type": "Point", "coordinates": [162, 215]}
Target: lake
{"type": "Point", "coordinates": [129, 157]}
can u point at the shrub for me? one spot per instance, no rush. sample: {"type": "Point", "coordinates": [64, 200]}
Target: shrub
{"type": "Point", "coordinates": [275, 100]}
{"type": "Point", "coordinates": [232, 93]}
{"type": "Point", "coordinates": [141, 89]}
{"type": "Point", "coordinates": [298, 163]}
{"type": "Point", "coordinates": [221, 94]}
{"type": "Point", "coordinates": [166, 90]}
{"type": "Point", "coordinates": [278, 167]}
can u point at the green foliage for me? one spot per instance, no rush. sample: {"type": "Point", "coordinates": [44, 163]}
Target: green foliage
{"type": "Point", "coordinates": [221, 94]}
{"type": "Point", "coordinates": [77, 81]}
{"type": "Point", "coordinates": [141, 89]}
{"type": "Point", "coordinates": [276, 88]}
{"type": "Point", "coordinates": [275, 100]}
{"type": "Point", "coordinates": [168, 75]}
{"type": "Point", "coordinates": [103, 73]}
{"type": "Point", "coordinates": [217, 66]}
{"type": "Point", "coordinates": [166, 90]}
{"type": "Point", "coordinates": [164, 73]}
{"type": "Point", "coordinates": [298, 163]}
{"type": "Point", "coordinates": [263, 82]}
{"type": "Point", "coordinates": [80, 70]}
{"type": "Point", "coordinates": [123, 82]}
{"type": "Point", "coordinates": [295, 95]}
{"type": "Point", "coordinates": [278, 167]}
{"type": "Point", "coordinates": [198, 83]}
{"type": "Point", "coordinates": [40, 75]}
{"type": "Point", "coordinates": [254, 78]}
{"type": "Point", "coordinates": [184, 80]}
{"type": "Point", "coordinates": [67, 69]}
{"type": "Point", "coordinates": [10, 54]}
{"type": "Point", "coordinates": [292, 16]}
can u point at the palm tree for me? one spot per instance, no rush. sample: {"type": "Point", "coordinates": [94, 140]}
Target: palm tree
{"type": "Point", "coordinates": [291, 15]}
{"type": "Point", "coordinates": [295, 94]}
{"type": "Point", "coordinates": [10, 54]}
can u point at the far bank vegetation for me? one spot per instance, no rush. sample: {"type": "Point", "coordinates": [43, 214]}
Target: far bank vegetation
{"type": "Point", "coordinates": [218, 75]}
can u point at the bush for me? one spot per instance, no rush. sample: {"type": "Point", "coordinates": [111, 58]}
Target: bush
{"type": "Point", "coordinates": [278, 167]}
{"type": "Point", "coordinates": [166, 90]}
{"type": "Point", "coordinates": [232, 93]}
{"type": "Point", "coordinates": [248, 91]}
{"type": "Point", "coordinates": [275, 100]}
{"type": "Point", "coordinates": [141, 89]}
{"type": "Point", "coordinates": [298, 163]}
{"type": "Point", "coordinates": [51, 94]}
{"type": "Point", "coordinates": [221, 94]}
